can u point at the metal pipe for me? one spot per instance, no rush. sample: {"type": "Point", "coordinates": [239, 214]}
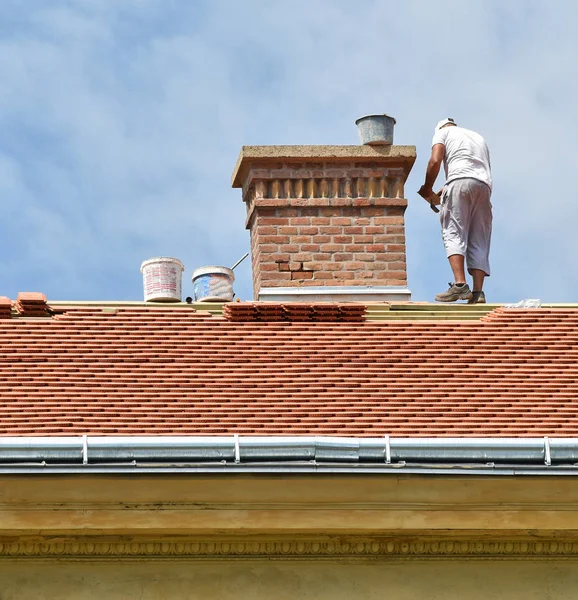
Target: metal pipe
{"type": "Point", "coordinates": [386, 450]}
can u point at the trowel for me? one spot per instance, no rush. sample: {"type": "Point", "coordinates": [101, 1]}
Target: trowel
{"type": "Point", "coordinates": [434, 201]}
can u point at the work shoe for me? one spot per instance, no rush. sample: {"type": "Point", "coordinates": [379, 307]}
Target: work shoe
{"type": "Point", "coordinates": [477, 298]}
{"type": "Point", "coordinates": [455, 292]}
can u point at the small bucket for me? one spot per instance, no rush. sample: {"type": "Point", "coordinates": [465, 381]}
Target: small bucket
{"type": "Point", "coordinates": [376, 130]}
{"type": "Point", "coordinates": [162, 279]}
{"type": "Point", "coordinates": [213, 284]}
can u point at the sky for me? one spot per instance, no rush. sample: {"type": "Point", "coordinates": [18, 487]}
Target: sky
{"type": "Point", "coordinates": [121, 122]}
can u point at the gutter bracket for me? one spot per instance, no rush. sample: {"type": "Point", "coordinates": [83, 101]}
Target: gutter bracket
{"type": "Point", "coordinates": [387, 450]}
{"type": "Point", "coordinates": [547, 454]}
{"type": "Point", "coordinates": [85, 449]}
{"type": "Point", "coordinates": [237, 449]}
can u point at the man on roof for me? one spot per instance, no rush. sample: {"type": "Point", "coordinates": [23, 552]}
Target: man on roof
{"type": "Point", "coordinates": [465, 210]}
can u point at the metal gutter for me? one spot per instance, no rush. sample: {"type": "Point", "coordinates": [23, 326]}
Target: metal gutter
{"type": "Point", "coordinates": [147, 454]}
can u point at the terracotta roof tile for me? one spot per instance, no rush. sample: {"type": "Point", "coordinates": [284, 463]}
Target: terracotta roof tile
{"type": "Point", "coordinates": [294, 312]}
{"type": "Point", "coordinates": [5, 307]}
{"type": "Point", "coordinates": [143, 370]}
{"type": "Point", "coordinates": [31, 304]}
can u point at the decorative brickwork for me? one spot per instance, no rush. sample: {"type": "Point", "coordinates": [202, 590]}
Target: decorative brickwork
{"type": "Point", "coordinates": [326, 221]}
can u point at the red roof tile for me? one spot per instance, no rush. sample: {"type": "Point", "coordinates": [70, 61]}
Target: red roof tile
{"type": "Point", "coordinates": [175, 371]}
{"type": "Point", "coordinates": [5, 307]}
{"type": "Point", "coordinates": [294, 312]}
{"type": "Point", "coordinates": [31, 304]}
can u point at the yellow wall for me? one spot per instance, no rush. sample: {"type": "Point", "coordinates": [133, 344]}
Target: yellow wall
{"type": "Point", "coordinates": [290, 580]}
{"type": "Point", "coordinates": [203, 505]}
{"type": "Point", "coordinates": [241, 536]}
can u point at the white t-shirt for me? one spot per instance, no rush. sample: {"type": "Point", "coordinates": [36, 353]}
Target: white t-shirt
{"type": "Point", "coordinates": [466, 154]}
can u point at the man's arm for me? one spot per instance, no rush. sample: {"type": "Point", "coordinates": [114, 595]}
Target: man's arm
{"type": "Point", "coordinates": [433, 169]}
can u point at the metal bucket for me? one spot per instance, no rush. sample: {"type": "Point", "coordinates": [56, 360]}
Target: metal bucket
{"type": "Point", "coordinates": [162, 279]}
{"type": "Point", "coordinates": [376, 130]}
{"type": "Point", "coordinates": [213, 284]}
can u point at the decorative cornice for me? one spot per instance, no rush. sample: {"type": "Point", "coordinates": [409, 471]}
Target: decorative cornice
{"type": "Point", "coordinates": [283, 548]}
{"type": "Point", "coordinates": [384, 183]}
{"type": "Point", "coordinates": [271, 156]}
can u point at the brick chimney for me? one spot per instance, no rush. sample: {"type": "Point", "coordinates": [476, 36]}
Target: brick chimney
{"type": "Point", "coordinates": [326, 222]}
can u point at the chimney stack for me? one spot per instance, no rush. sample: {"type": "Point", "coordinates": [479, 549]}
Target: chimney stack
{"type": "Point", "coordinates": [326, 222]}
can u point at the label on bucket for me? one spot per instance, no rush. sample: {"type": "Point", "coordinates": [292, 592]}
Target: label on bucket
{"type": "Point", "coordinates": [162, 281]}
{"type": "Point", "coordinates": [215, 286]}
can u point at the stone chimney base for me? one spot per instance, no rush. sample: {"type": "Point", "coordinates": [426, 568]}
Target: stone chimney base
{"type": "Point", "coordinates": [336, 294]}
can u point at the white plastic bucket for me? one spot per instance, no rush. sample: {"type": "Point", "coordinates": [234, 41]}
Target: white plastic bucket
{"type": "Point", "coordinates": [162, 279]}
{"type": "Point", "coordinates": [376, 130]}
{"type": "Point", "coordinates": [213, 284]}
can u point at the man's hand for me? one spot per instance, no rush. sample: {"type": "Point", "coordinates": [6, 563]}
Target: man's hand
{"type": "Point", "coordinates": [425, 191]}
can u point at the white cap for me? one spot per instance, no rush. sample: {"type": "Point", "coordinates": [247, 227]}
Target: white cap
{"type": "Point", "coordinates": [445, 122]}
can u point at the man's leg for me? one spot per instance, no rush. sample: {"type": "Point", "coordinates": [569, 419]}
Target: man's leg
{"type": "Point", "coordinates": [480, 234]}
{"type": "Point", "coordinates": [458, 268]}
{"type": "Point", "coordinates": [455, 219]}
{"type": "Point", "coordinates": [478, 276]}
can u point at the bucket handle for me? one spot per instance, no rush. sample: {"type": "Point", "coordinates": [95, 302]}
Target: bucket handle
{"type": "Point", "coordinates": [239, 262]}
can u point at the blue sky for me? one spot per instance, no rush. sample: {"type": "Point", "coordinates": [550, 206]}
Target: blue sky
{"type": "Point", "coordinates": [121, 121]}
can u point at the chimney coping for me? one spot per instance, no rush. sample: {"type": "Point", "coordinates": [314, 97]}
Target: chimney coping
{"type": "Point", "coordinates": [264, 154]}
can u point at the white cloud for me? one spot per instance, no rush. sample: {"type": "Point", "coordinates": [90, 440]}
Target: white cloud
{"type": "Point", "coordinates": [120, 123]}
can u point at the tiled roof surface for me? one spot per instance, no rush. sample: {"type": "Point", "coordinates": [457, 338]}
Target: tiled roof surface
{"type": "Point", "coordinates": [414, 370]}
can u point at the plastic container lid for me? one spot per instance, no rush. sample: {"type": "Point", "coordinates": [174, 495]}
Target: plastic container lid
{"type": "Point", "coordinates": [161, 259]}
{"type": "Point", "coordinates": [213, 271]}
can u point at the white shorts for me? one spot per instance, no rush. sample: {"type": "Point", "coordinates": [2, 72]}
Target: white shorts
{"type": "Point", "coordinates": [466, 219]}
